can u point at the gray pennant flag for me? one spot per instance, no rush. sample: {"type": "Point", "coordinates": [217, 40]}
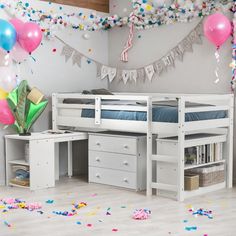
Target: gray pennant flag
{"type": "Point", "coordinates": [76, 58]}
{"type": "Point", "coordinates": [168, 60]}
{"type": "Point", "coordinates": [99, 67]}
{"type": "Point", "coordinates": [177, 53]}
{"type": "Point", "coordinates": [199, 29]}
{"type": "Point", "coordinates": [141, 74]}
{"type": "Point", "coordinates": [194, 37]}
{"type": "Point", "coordinates": [67, 52]}
{"type": "Point", "coordinates": [186, 45]}
{"type": "Point", "coordinates": [159, 67]}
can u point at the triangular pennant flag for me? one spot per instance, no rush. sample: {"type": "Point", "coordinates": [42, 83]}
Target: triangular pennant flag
{"type": "Point", "coordinates": [177, 53]}
{"type": "Point", "coordinates": [125, 76]}
{"type": "Point", "coordinates": [149, 72]}
{"type": "Point", "coordinates": [104, 72]}
{"type": "Point", "coordinates": [168, 60]}
{"type": "Point", "coordinates": [67, 52]}
{"type": "Point", "coordinates": [141, 74]}
{"type": "Point", "coordinates": [194, 37]}
{"type": "Point", "coordinates": [133, 75]}
{"type": "Point", "coordinates": [111, 74]}
{"type": "Point", "coordinates": [77, 59]}
{"type": "Point", "coordinates": [99, 66]}
{"type": "Point", "coordinates": [159, 67]}
{"type": "Point", "coordinates": [186, 45]}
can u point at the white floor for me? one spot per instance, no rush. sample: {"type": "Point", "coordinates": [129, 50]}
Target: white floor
{"type": "Point", "coordinates": [166, 219]}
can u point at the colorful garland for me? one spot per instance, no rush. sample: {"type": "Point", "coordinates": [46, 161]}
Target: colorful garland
{"type": "Point", "coordinates": [144, 15]}
{"type": "Point", "coordinates": [233, 64]}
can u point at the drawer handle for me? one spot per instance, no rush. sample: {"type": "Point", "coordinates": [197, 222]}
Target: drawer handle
{"type": "Point", "coordinates": [126, 146]}
{"type": "Point", "coordinates": [97, 175]}
{"type": "Point", "coordinates": [98, 144]}
{"type": "Point", "coordinates": [97, 159]}
{"type": "Point", "coordinates": [125, 163]}
{"type": "Point", "coordinates": [125, 180]}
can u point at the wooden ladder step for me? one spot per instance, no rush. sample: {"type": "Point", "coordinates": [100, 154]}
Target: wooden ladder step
{"type": "Point", "coordinates": [168, 187]}
{"type": "Point", "coordinates": [165, 158]}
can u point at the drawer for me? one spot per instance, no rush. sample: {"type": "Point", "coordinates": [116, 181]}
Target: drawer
{"type": "Point", "coordinates": [113, 144]}
{"type": "Point", "coordinates": [113, 161]}
{"type": "Point", "coordinates": [112, 177]}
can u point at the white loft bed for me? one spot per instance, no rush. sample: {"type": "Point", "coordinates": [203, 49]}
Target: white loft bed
{"type": "Point", "coordinates": [67, 116]}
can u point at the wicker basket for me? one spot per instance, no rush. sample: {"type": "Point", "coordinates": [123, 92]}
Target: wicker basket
{"type": "Point", "coordinates": [210, 175]}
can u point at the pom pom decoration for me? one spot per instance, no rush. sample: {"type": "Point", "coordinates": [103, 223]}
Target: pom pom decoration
{"type": "Point", "coordinates": [141, 214]}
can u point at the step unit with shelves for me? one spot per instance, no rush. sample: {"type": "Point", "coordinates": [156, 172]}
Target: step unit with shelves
{"type": "Point", "coordinates": [168, 171]}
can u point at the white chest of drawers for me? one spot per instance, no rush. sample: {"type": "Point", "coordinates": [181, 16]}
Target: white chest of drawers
{"type": "Point", "coordinates": [118, 159]}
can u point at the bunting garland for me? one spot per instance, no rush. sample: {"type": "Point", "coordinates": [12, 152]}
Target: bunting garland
{"type": "Point", "coordinates": [146, 72]}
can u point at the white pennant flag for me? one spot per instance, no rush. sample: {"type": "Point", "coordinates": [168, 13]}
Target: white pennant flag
{"type": "Point", "coordinates": [104, 72]}
{"type": "Point", "coordinates": [111, 74]}
{"type": "Point", "coordinates": [133, 75]}
{"type": "Point", "coordinates": [149, 72]}
{"type": "Point", "coordinates": [125, 76]}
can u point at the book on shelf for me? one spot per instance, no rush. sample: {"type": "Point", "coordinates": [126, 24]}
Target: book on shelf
{"type": "Point", "coordinates": [203, 154]}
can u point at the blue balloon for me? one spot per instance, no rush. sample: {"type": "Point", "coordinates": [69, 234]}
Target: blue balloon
{"type": "Point", "coordinates": [7, 35]}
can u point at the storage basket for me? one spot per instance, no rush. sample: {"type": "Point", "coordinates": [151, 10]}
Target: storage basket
{"type": "Point", "coordinates": [210, 175]}
{"type": "Point", "coordinates": [191, 181]}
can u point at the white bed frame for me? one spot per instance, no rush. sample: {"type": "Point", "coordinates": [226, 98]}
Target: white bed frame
{"type": "Point", "coordinates": [68, 116]}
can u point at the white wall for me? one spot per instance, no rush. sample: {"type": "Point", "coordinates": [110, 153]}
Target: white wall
{"type": "Point", "coordinates": [194, 75]}
{"type": "Point", "coordinates": [52, 74]}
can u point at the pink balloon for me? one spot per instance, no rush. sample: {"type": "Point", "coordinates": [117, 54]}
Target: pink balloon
{"type": "Point", "coordinates": [18, 53]}
{"type": "Point", "coordinates": [18, 24]}
{"type": "Point", "coordinates": [217, 29]}
{"type": "Point", "coordinates": [5, 58]}
{"type": "Point", "coordinates": [8, 79]}
{"type": "Point", "coordinates": [30, 36]}
{"type": "Point", "coordinates": [6, 116]}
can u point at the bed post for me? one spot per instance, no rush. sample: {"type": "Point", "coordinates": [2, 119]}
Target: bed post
{"type": "Point", "coordinates": [54, 111]}
{"type": "Point", "coordinates": [149, 146]}
{"type": "Point", "coordinates": [229, 144]}
{"type": "Point", "coordinates": [181, 137]}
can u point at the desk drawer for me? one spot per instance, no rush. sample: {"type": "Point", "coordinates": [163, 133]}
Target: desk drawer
{"type": "Point", "coordinates": [113, 144]}
{"type": "Point", "coordinates": [112, 177]}
{"type": "Point", "coordinates": [113, 161]}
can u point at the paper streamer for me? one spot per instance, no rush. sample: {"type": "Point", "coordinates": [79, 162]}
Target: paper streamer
{"type": "Point", "coordinates": [129, 44]}
{"type": "Point", "coordinates": [217, 55]}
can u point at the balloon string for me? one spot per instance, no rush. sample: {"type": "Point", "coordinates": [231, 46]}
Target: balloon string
{"type": "Point", "coordinates": [217, 56]}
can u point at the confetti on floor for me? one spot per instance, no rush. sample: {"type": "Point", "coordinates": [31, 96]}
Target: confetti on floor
{"type": "Point", "coordinates": [191, 228]}
{"type": "Point", "coordinates": [89, 225]}
{"type": "Point", "coordinates": [114, 230]}
{"type": "Point", "coordinates": [50, 201]}
{"type": "Point", "coordinates": [7, 224]}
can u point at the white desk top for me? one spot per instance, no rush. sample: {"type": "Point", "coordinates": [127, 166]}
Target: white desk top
{"type": "Point", "coordinates": [46, 135]}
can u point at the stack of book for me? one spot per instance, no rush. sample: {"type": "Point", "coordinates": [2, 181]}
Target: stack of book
{"type": "Point", "coordinates": [21, 175]}
{"type": "Point", "coordinates": [203, 154]}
